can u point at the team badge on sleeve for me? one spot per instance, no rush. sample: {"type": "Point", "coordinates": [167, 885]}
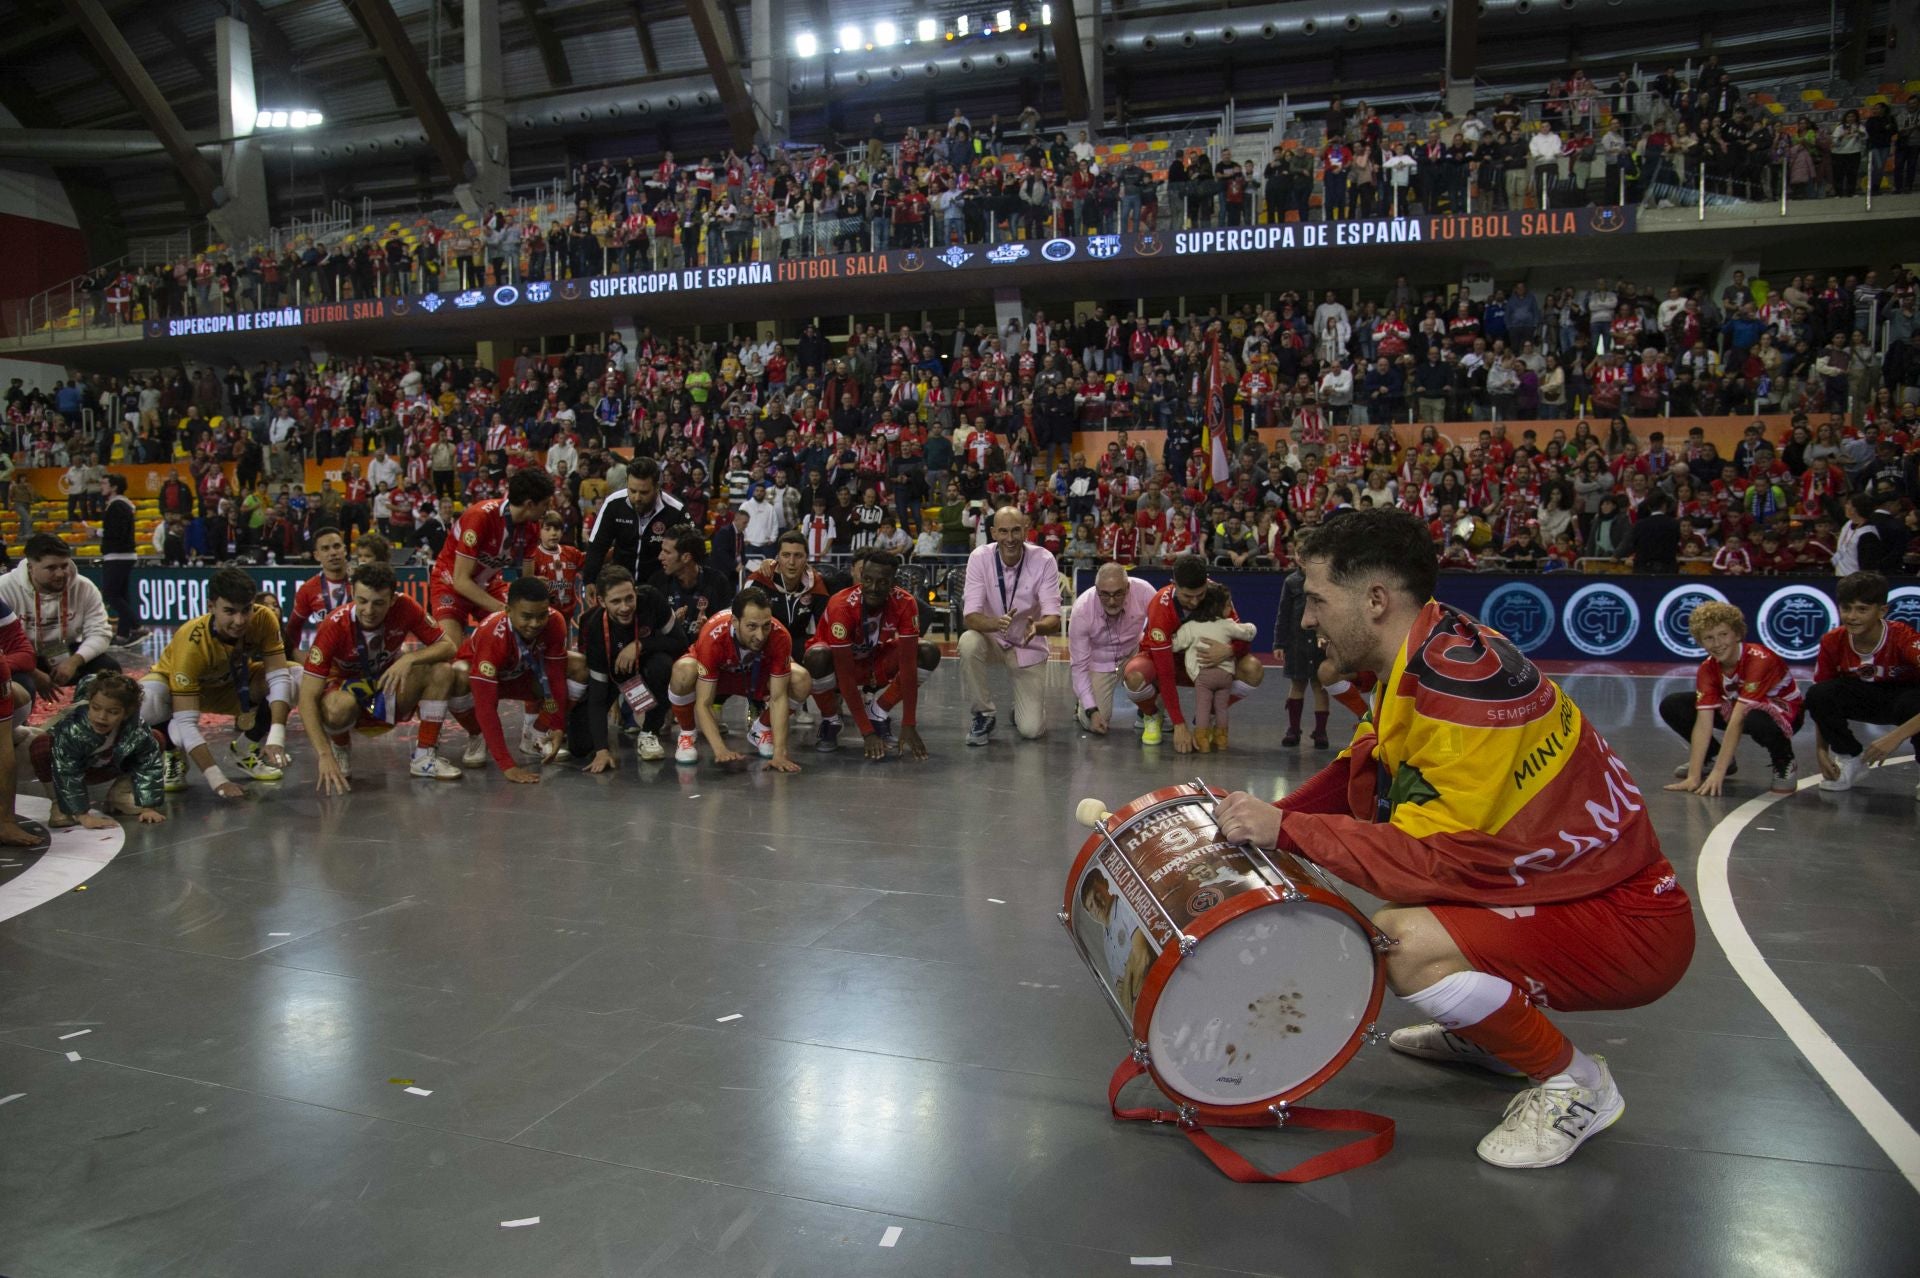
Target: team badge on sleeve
{"type": "Point", "coordinates": [182, 679]}
{"type": "Point", "coordinates": [487, 670]}
{"type": "Point", "coordinates": [1159, 635]}
{"type": "Point", "coordinates": [839, 630]}
{"type": "Point", "coordinates": [469, 538]}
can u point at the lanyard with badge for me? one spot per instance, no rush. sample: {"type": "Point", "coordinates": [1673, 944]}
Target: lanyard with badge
{"type": "Point", "coordinates": [61, 615]}
{"type": "Point", "coordinates": [633, 687]}
{"type": "Point", "coordinates": [1008, 596]}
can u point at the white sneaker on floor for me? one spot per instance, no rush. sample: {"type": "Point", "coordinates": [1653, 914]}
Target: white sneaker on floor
{"type": "Point", "coordinates": [1431, 1042]}
{"type": "Point", "coordinates": [686, 750]}
{"type": "Point", "coordinates": [1545, 1124]}
{"type": "Point", "coordinates": [533, 741]}
{"type": "Point", "coordinates": [342, 759]}
{"type": "Point", "coordinates": [1851, 766]}
{"type": "Point", "coordinates": [429, 766]}
{"type": "Point", "coordinates": [475, 755]}
{"type": "Point", "coordinates": [650, 748]}
{"type": "Point", "coordinates": [760, 737]}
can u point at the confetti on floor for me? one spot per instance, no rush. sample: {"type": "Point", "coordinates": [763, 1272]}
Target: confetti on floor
{"type": "Point", "coordinates": [522, 1223]}
{"type": "Point", "coordinates": [891, 1237]}
{"type": "Point", "coordinates": [73, 1056]}
{"type": "Point", "coordinates": [722, 1020]}
{"type": "Point", "coordinates": [420, 1091]}
{"type": "Point", "coordinates": [75, 1034]}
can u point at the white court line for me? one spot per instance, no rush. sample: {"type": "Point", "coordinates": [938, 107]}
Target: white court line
{"type": "Point", "coordinates": [1883, 1122]}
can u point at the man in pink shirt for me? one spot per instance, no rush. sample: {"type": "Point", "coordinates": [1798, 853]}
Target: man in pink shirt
{"type": "Point", "coordinates": [1108, 621]}
{"type": "Point", "coordinates": [1012, 607]}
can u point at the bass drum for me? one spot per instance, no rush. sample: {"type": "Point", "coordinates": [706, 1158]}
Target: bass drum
{"type": "Point", "coordinates": [1245, 979]}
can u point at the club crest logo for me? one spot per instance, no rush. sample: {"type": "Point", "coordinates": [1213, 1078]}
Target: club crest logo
{"type": "Point", "coordinates": [956, 257]}
{"type": "Point", "coordinates": [1058, 250]}
{"type": "Point", "coordinates": [506, 295]}
{"type": "Point", "coordinates": [911, 260]}
{"type": "Point", "coordinates": [1007, 254]}
{"type": "Point", "coordinates": [468, 300]}
{"type": "Point", "coordinates": [1103, 246]}
{"type": "Point", "coordinates": [1147, 244]}
{"type": "Point", "coordinates": [539, 291]}
{"type": "Point", "coordinates": [570, 289]}
{"type": "Point", "coordinates": [432, 302]}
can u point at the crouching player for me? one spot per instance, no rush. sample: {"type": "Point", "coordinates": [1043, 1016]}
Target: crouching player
{"type": "Point", "coordinates": [742, 652]}
{"type": "Point", "coordinates": [227, 662]}
{"type": "Point", "coordinates": [100, 740]}
{"type": "Point", "coordinates": [519, 654]}
{"type": "Point", "coordinates": [868, 644]}
{"type": "Point", "coordinates": [358, 677]}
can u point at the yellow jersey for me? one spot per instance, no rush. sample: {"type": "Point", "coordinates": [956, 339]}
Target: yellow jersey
{"type": "Point", "coordinates": [198, 659]}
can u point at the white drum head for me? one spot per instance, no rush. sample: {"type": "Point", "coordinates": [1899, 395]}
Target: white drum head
{"type": "Point", "coordinates": [1266, 1001]}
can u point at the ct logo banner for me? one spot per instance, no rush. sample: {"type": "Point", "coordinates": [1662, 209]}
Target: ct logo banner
{"type": "Point", "coordinates": [1672, 614]}
{"type": "Point", "coordinates": [1522, 613]}
{"type": "Point", "coordinates": [1600, 620]}
{"type": "Point", "coordinates": [1792, 620]}
{"type": "Point", "coordinates": [1903, 605]}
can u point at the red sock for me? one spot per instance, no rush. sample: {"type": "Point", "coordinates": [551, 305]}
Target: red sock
{"type": "Point", "coordinates": [829, 703]}
{"type": "Point", "coordinates": [468, 720]}
{"type": "Point", "coordinates": [1319, 723]}
{"type": "Point", "coordinates": [429, 733]}
{"type": "Point", "coordinates": [683, 715]}
{"type": "Point", "coordinates": [339, 738]}
{"type": "Point", "coordinates": [1521, 1035]}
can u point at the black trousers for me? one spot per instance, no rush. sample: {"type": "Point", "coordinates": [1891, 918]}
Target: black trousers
{"type": "Point", "coordinates": [117, 591]}
{"type": "Point", "coordinates": [1678, 710]}
{"type": "Point", "coordinates": [1832, 703]}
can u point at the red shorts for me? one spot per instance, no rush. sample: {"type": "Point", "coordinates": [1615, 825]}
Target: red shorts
{"type": "Point", "coordinates": [450, 605]}
{"type": "Point", "coordinates": [1625, 947]}
{"type": "Point", "coordinates": [1142, 662]}
{"type": "Point", "coordinates": [876, 670]}
{"type": "Point", "coordinates": [524, 688]}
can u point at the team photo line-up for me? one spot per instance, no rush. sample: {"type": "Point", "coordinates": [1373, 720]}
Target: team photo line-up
{"type": "Point", "coordinates": [1500, 907]}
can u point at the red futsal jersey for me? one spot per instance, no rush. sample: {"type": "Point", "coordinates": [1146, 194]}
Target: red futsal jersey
{"type": "Point", "coordinates": [316, 598]}
{"type": "Point", "coordinates": [876, 649]}
{"type": "Point", "coordinates": [736, 671]}
{"type": "Point", "coordinates": [560, 569]}
{"type": "Point", "coordinates": [484, 534]}
{"type": "Point", "coordinates": [1164, 615]}
{"type": "Point", "coordinates": [1759, 680]}
{"type": "Point", "coordinates": [1895, 659]}
{"type": "Point", "coordinates": [501, 665]}
{"type": "Point", "coordinates": [343, 651]}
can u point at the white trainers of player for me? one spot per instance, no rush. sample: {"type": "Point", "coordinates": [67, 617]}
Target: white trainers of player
{"type": "Point", "coordinates": [1851, 766]}
{"type": "Point", "coordinates": [475, 755]}
{"type": "Point", "coordinates": [651, 751]}
{"type": "Point", "coordinates": [1431, 1042]}
{"type": "Point", "coordinates": [430, 766]}
{"type": "Point", "coordinates": [250, 762]}
{"type": "Point", "coordinates": [532, 740]}
{"type": "Point", "coordinates": [760, 737]}
{"type": "Point", "coordinates": [1545, 1124]}
{"type": "Point", "coordinates": [342, 759]}
{"type": "Point", "coordinates": [686, 750]}
{"type": "Point", "coordinates": [173, 772]}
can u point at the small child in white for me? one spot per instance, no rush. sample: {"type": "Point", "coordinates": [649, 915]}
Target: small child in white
{"type": "Point", "coordinates": [1209, 620]}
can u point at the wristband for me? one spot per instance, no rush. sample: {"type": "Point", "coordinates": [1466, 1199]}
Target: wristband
{"type": "Point", "coordinates": [277, 735]}
{"type": "Point", "coordinates": [215, 778]}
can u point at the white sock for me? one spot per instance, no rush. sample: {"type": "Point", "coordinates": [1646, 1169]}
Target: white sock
{"type": "Point", "coordinates": [433, 711]}
{"type": "Point", "coordinates": [1464, 998]}
{"type": "Point", "coordinates": [576, 691]}
{"type": "Point", "coordinates": [1241, 689]}
{"type": "Point", "coordinates": [1581, 1071]}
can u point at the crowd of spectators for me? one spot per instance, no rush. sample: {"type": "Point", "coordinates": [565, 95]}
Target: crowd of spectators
{"type": "Point", "coordinates": [1625, 140]}
{"type": "Point", "coordinates": [910, 439]}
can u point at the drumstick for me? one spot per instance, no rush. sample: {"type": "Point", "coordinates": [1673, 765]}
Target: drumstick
{"type": "Point", "coordinates": [1091, 812]}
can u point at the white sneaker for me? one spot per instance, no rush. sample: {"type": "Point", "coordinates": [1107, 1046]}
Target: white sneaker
{"type": "Point", "coordinates": [760, 737]}
{"type": "Point", "coordinates": [250, 762]}
{"type": "Point", "coordinates": [650, 748]}
{"type": "Point", "coordinates": [430, 766]}
{"type": "Point", "coordinates": [533, 741]}
{"type": "Point", "coordinates": [342, 759]}
{"type": "Point", "coordinates": [1432, 1042]}
{"type": "Point", "coordinates": [1851, 766]}
{"type": "Point", "coordinates": [563, 754]}
{"type": "Point", "coordinates": [686, 751]}
{"type": "Point", "coordinates": [475, 755]}
{"type": "Point", "coordinates": [1545, 1124]}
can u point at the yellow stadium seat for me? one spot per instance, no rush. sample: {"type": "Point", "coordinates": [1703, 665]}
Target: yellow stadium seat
{"type": "Point", "coordinates": [1913, 86]}
{"type": "Point", "coordinates": [1778, 108]}
{"type": "Point", "coordinates": [1812, 95]}
{"type": "Point", "coordinates": [1874, 99]}
{"type": "Point", "coordinates": [86, 552]}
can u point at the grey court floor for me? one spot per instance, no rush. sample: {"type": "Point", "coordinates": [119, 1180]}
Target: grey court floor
{"type": "Point", "coordinates": [917, 1045]}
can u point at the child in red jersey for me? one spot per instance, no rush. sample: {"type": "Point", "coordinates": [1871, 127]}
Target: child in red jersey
{"type": "Point", "coordinates": [1741, 686]}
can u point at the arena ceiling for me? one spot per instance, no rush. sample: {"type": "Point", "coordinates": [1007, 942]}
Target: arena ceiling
{"type": "Point", "coordinates": [314, 53]}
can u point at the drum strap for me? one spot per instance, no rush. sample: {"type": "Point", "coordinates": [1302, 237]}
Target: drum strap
{"type": "Point", "coordinates": [1235, 1166]}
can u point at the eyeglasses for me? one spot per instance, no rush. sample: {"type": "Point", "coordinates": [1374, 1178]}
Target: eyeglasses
{"type": "Point", "coordinates": [1112, 594]}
